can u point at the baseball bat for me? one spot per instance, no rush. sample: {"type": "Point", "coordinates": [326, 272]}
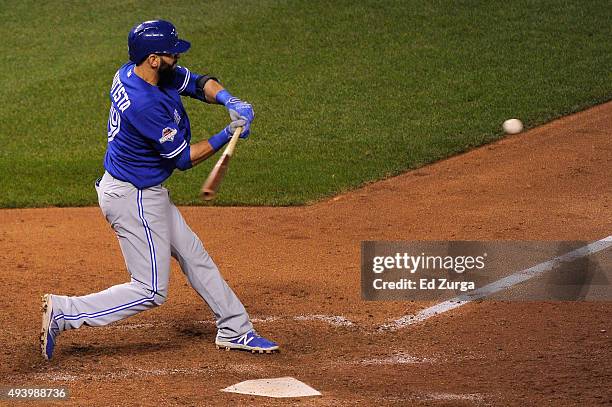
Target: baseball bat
{"type": "Point", "coordinates": [213, 182]}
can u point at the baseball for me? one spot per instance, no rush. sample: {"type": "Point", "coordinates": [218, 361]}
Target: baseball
{"type": "Point", "coordinates": [513, 126]}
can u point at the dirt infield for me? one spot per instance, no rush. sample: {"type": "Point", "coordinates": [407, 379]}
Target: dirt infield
{"type": "Point", "coordinates": [297, 271]}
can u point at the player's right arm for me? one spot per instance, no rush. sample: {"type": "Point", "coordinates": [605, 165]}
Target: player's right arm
{"type": "Point", "coordinates": [162, 132]}
{"type": "Point", "coordinates": [171, 142]}
{"type": "Point", "coordinates": [206, 148]}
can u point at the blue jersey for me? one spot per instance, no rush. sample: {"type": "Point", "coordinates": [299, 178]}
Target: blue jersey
{"type": "Point", "coordinates": [148, 127]}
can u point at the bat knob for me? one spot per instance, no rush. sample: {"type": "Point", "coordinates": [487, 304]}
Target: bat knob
{"type": "Point", "coordinates": [208, 195]}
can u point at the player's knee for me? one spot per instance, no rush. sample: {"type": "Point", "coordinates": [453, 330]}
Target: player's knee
{"type": "Point", "coordinates": [155, 297]}
{"type": "Point", "coordinates": [159, 299]}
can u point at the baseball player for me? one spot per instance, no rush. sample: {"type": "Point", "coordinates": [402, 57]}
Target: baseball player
{"type": "Point", "coordinates": [148, 137]}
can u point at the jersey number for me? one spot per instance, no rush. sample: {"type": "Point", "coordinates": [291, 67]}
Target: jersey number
{"type": "Point", "coordinates": [114, 123]}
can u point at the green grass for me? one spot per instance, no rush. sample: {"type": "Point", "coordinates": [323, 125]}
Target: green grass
{"type": "Point", "coordinates": [344, 92]}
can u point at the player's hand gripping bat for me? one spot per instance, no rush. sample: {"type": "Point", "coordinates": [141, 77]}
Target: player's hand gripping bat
{"type": "Point", "coordinates": [212, 183]}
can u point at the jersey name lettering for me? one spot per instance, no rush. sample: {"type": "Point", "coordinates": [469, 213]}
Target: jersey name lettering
{"type": "Point", "coordinates": [120, 96]}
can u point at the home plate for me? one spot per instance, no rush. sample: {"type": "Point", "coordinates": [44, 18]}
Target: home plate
{"type": "Point", "coordinates": [278, 388]}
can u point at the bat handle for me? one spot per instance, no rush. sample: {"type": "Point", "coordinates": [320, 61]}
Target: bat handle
{"type": "Point", "coordinates": [229, 150]}
{"type": "Point", "coordinates": [212, 183]}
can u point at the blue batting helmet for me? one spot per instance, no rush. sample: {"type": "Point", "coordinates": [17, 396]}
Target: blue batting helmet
{"type": "Point", "coordinates": [155, 36]}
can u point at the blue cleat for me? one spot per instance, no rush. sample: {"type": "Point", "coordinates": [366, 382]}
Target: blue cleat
{"type": "Point", "coordinates": [50, 330]}
{"type": "Point", "coordinates": [250, 341]}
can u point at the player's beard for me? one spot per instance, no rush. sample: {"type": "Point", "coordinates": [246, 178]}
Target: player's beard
{"type": "Point", "coordinates": [166, 74]}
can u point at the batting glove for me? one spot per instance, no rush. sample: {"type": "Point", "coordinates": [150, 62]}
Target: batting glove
{"type": "Point", "coordinates": [233, 104]}
{"type": "Point", "coordinates": [246, 126]}
{"type": "Point", "coordinates": [239, 122]}
{"type": "Point", "coordinates": [220, 139]}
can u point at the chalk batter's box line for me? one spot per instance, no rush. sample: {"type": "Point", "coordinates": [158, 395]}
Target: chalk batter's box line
{"type": "Point", "coordinates": [499, 285]}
